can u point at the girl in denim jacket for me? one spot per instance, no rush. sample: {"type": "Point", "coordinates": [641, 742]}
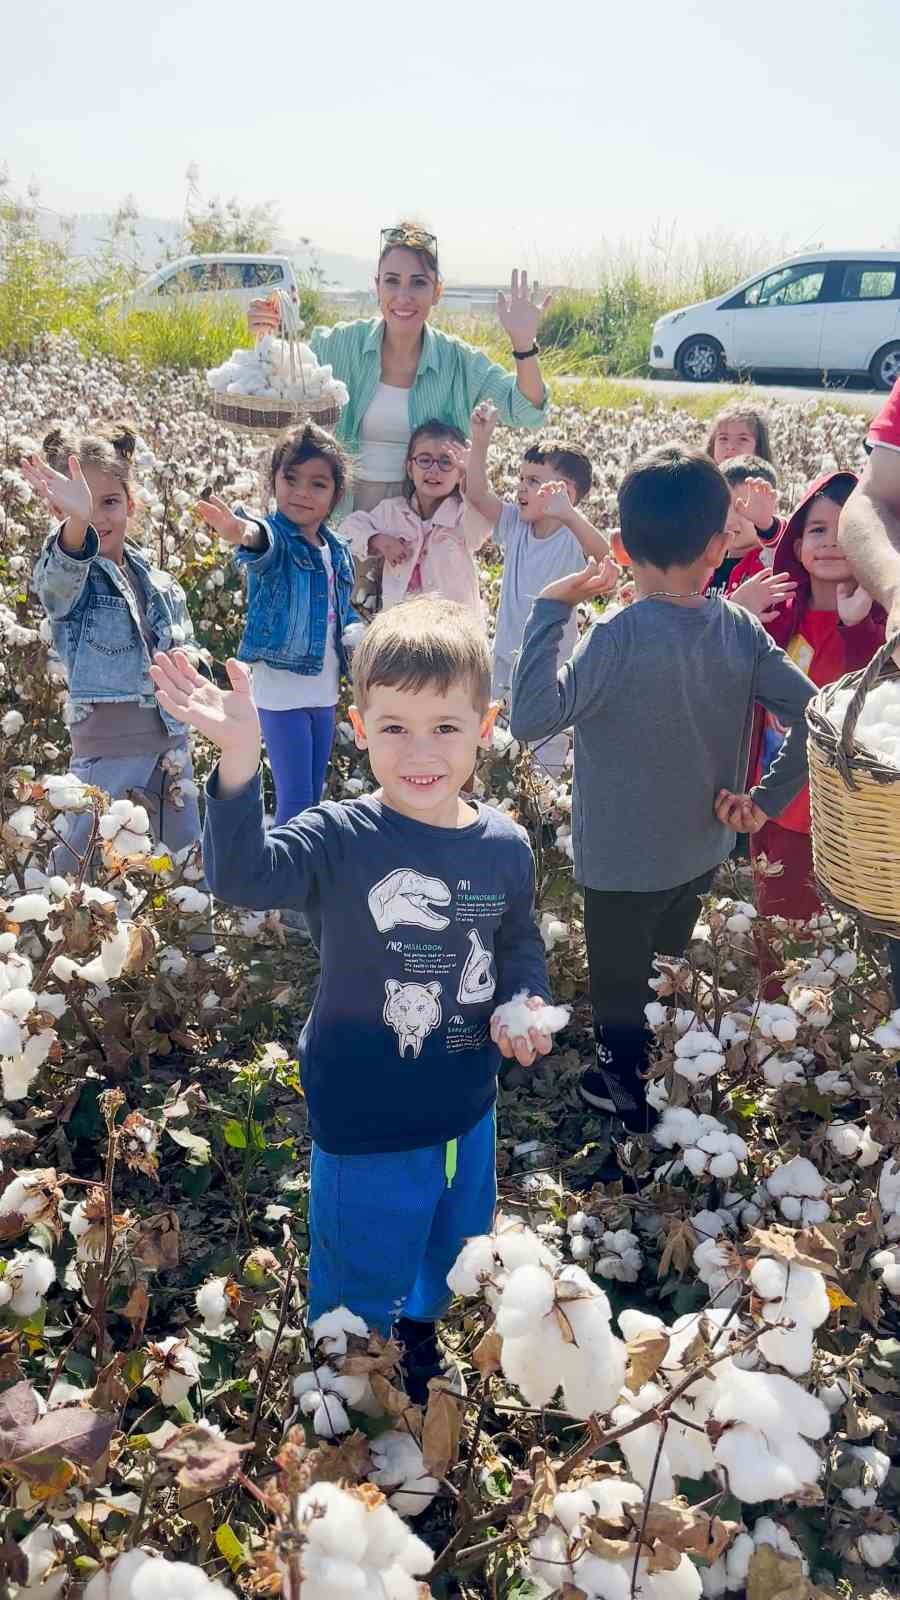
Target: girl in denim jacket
{"type": "Point", "coordinates": [299, 580]}
{"type": "Point", "coordinates": [110, 608]}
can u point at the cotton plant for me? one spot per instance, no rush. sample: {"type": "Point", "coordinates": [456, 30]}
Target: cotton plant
{"type": "Point", "coordinates": [707, 1147]}
{"type": "Point", "coordinates": [729, 1574]}
{"type": "Point", "coordinates": [145, 1575]}
{"type": "Point", "coordinates": [559, 1553]}
{"type": "Point", "coordinates": [799, 1189]}
{"type": "Point", "coordinates": [794, 1303]}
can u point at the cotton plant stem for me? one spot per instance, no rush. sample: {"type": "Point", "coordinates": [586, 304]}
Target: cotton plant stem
{"type": "Point", "coordinates": [648, 1500]}
{"type": "Point", "coordinates": [279, 1331]}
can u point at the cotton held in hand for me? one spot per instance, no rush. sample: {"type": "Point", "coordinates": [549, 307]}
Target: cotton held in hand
{"type": "Point", "coordinates": [518, 1017]}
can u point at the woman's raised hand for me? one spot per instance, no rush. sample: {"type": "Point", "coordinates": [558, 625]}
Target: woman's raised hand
{"type": "Point", "coordinates": [66, 496]}
{"type": "Point", "coordinates": [222, 519]}
{"type": "Point", "coordinates": [264, 316]}
{"type": "Point", "coordinates": [227, 717]}
{"type": "Point", "coordinates": [521, 310]}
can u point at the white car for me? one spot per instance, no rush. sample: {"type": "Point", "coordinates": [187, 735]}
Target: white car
{"type": "Point", "coordinates": [834, 312]}
{"type": "Point", "coordinates": [210, 280]}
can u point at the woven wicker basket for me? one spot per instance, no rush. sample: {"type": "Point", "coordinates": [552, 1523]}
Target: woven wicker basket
{"type": "Point", "coordinates": [261, 414]}
{"type": "Point", "coordinates": [855, 805]}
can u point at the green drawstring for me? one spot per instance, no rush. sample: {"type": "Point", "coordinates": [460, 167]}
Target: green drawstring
{"type": "Point", "coordinates": [450, 1161]}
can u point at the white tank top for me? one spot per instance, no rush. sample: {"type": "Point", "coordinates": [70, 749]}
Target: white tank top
{"type": "Point", "coordinates": [384, 436]}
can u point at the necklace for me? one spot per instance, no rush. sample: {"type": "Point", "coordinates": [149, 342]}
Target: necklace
{"type": "Point", "coordinates": [667, 594]}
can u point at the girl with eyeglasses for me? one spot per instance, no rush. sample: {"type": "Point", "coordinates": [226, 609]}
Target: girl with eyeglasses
{"type": "Point", "coordinates": [400, 371]}
{"type": "Point", "coordinates": [427, 535]}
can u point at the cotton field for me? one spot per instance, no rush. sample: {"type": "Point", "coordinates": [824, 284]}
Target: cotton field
{"type": "Point", "coordinates": [685, 1382]}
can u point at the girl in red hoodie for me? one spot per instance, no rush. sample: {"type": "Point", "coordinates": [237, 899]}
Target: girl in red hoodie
{"type": "Point", "coordinates": [828, 627]}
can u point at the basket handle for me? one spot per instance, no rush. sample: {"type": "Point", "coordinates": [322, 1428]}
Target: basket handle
{"type": "Point", "coordinates": [290, 328]}
{"type": "Point", "coordinates": [867, 680]}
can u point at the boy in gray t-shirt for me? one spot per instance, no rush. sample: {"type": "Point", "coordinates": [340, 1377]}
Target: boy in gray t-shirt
{"type": "Point", "coordinates": [661, 699]}
{"type": "Point", "coordinates": [543, 536]}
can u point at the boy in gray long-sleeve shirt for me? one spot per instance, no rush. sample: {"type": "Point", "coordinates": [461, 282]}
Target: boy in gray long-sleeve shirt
{"type": "Point", "coordinates": [661, 699]}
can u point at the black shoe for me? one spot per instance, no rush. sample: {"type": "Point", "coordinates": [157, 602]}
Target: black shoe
{"type": "Point", "coordinates": [423, 1359]}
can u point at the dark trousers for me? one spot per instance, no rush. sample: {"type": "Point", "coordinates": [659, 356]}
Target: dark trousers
{"type": "Point", "coordinates": [624, 930]}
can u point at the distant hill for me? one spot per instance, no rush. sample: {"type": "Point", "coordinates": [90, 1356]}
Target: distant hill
{"type": "Point", "coordinates": [156, 235]}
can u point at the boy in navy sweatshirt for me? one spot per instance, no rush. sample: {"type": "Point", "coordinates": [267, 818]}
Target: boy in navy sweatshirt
{"type": "Point", "coordinates": [425, 905]}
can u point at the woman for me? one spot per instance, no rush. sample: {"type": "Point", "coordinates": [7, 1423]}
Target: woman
{"type": "Point", "coordinates": [400, 371]}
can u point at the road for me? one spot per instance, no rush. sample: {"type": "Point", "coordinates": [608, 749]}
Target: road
{"type": "Point", "coordinates": [861, 399]}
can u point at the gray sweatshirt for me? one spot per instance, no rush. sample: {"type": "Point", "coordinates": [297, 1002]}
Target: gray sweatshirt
{"type": "Point", "coordinates": [661, 699]}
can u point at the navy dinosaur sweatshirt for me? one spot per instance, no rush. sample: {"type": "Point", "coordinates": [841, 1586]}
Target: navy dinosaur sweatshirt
{"type": "Point", "coordinates": [423, 932]}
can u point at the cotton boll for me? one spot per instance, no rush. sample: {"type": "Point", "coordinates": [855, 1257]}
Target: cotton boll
{"type": "Point", "coordinates": [212, 1304]}
{"type": "Point", "coordinates": [173, 1370]}
{"type": "Point", "coordinates": [29, 908]}
{"type": "Point", "coordinates": [331, 1330]}
{"type": "Point", "coordinates": [527, 1298]}
{"type": "Point", "coordinates": [475, 1263]}
{"type": "Point", "coordinates": [640, 1447]}
{"type": "Point", "coordinates": [29, 1275]}
{"type": "Point", "coordinates": [518, 1017]}
{"type": "Point", "coordinates": [400, 1473]}
{"type": "Point", "coordinates": [877, 1549]}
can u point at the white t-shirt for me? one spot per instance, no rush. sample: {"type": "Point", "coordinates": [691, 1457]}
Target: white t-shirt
{"type": "Point", "coordinates": [384, 436]}
{"type": "Point", "coordinates": [529, 564]}
{"type": "Point", "coordinates": [276, 689]}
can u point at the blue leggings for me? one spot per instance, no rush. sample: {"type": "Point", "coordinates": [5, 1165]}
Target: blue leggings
{"type": "Point", "coordinates": [384, 1230]}
{"type": "Point", "coordinates": [299, 745]}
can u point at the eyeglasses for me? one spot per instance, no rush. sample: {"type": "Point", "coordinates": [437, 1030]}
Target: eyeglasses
{"type": "Point", "coordinates": [425, 463]}
{"type": "Point", "coordinates": [409, 238]}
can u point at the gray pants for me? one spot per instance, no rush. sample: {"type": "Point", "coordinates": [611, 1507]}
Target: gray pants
{"type": "Point", "coordinates": [171, 825]}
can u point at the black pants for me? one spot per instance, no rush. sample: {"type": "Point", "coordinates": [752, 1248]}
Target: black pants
{"type": "Point", "coordinates": [624, 931]}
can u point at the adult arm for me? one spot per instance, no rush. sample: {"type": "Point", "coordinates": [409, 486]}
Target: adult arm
{"type": "Point", "coordinates": [547, 699]}
{"type": "Point", "coordinates": [518, 947]}
{"type": "Point", "coordinates": [869, 531]}
{"type": "Point", "coordinates": [247, 866]}
{"type": "Point", "coordinates": [785, 691]}
{"type": "Point", "coordinates": [485, 379]}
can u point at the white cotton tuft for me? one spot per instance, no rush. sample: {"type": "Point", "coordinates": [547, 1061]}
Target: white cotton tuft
{"type": "Point", "coordinates": [212, 1304]}
{"type": "Point", "coordinates": [518, 1017]}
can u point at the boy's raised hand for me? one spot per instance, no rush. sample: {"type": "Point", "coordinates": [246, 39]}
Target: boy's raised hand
{"type": "Point", "coordinates": [757, 500]}
{"type": "Point", "coordinates": [482, 423]}
{"type": "Point", "coordinates": [853, 602]}
{"type": "Point", "coordinates": [554, 499]}
{"type": "Point", "coordinates": [227, 717]}
{"type": "Point", "coordinates": [764, 594]}
{"type": "Point", "coordinates": [522, 1049]}
{"type": "Point", "coordinates": [596, 578]}
{"type": "Point", "coordinates": [739, 811]}
{"type": "Point", "coordinates": [66, 496]}
{"type": "Point", "coordinates": [222, 519]}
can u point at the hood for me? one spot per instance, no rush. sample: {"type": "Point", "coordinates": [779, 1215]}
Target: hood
{"type": "Point", "coordinates": [785, 559]}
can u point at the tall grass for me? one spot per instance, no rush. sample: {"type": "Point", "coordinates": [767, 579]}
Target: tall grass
{"type": "Point", "coordinates": [44, 289]}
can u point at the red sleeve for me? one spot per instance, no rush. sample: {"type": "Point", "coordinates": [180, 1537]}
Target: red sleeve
{"type": "Point", "coordinates": [886, 427]}
{"type": "Point", "coordinates": [862, 640]}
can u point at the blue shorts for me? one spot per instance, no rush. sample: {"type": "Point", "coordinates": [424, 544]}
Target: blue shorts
{"type": "Point", "coordinates": [386, 1229]}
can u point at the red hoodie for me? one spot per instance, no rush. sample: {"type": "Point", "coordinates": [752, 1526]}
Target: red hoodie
{"type": "Point", "coordinates": [817, 641]}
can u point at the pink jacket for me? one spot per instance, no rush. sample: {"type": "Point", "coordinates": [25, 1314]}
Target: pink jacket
{"type": "Point", "coordinates": [443, 548]}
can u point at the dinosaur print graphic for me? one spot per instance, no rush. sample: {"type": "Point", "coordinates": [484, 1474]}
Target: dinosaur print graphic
{"type": "Point", "coordinates": [477, 981]}
{"type": "Point", "coordinates": [413, 1010]}
{"type": "Point", "coordinates": [407, 897]}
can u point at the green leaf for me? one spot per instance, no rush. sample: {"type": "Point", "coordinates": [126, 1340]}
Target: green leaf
{"type": "Point", "coordinates": [229, 1545]}
{"type": "Point", "coordinates": [198, 1149]}
{"type": "Point", "coordinates": [233, 1134]}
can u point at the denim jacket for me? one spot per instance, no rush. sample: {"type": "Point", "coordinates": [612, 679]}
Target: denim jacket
{"type": "Point", "coordinates": [287, 599]}
{"type": "Point", "coordinates": [96, 627]}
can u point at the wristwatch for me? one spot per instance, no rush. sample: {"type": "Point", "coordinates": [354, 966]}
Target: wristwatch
{"type": "Point", "coordinates": [524, 355]}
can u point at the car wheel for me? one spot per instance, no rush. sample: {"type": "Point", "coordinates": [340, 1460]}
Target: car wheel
{"type": "Point", "coordinates": [885, 369]}
{"type": "Point", "coordinates": [700, 360]}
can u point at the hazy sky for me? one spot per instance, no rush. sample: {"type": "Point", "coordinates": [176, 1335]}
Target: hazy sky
{"type": "Point", "coordinates": [529, 132]}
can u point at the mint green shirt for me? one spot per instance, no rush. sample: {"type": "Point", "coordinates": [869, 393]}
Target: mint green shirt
{"type": "Point", "coordinates": [451, 379]}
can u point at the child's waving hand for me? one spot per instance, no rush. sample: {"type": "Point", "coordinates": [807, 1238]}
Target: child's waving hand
{"type": "Point", "coordinates": [597, 578]}
{"type": "Point", "coordinates": [853, 602]}
{"type": "Point", "coordinates": [757, 500]}
{"type": "Point", "coordinates": [483, 421]}
{"type": "Point", "coordinates": [223, 521]}
{"type": "Point", "coordinates": [764, 594]}
{"type": "Point", "coordinates": [228, 717]}
{"type": "Point", "coordinates": [66, 496]}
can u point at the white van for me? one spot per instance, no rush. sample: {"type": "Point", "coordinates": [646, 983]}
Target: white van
{"type": "Point", "coordinates": [210, 280]}
{"type": "Point", "coordinates": [835, 312]}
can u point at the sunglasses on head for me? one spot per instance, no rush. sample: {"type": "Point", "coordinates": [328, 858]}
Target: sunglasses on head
{"type": "Point", "coordinates": [409, 238]}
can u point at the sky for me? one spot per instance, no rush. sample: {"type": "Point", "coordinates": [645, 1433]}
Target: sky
{"type": "Point", "coordinates": [552, 136]}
